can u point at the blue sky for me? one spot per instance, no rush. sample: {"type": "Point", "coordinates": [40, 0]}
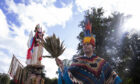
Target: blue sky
{"type": "Point", "coordinates": [62, 17]}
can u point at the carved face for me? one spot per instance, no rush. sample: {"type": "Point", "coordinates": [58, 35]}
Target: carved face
{"type": "Point", "coordinates": [39, 29]}
{"type": "Point", "coordinates": [40, 35]}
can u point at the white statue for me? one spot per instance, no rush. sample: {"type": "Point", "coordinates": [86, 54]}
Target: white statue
{"type": "Point", "coordinates": [35, 51]}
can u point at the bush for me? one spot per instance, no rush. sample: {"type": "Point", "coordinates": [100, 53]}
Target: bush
{"type": "Point", "coordinates": [4, 78]}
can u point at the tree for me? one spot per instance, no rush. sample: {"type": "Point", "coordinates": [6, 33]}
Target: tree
{"type": "Point", "coordinates": [4, 79]}
{"type": "Point", "coordinates": [135, 63]}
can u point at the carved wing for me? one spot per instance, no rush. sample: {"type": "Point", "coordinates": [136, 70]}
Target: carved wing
{"type": "Point", "coordinates": [30, 40]}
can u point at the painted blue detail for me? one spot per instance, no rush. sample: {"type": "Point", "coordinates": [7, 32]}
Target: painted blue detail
{"type": "Point", "coordinates": [31, 42]}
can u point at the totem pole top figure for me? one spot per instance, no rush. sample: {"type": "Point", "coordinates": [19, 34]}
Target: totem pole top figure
{"type": "Point", "coordinates": [35, 50]}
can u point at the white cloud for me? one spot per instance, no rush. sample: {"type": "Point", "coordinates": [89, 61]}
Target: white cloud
{"type": "Point", "coordinates": [3, 25]}
{"type": "Point", "coordinates": [124, 6]}
{"type": "Point", "coordinates": [44, 2]}
{"type": "Point", "coordinates": [50, 64]}
{"type": "Point", "coordinates": [50, 67]}
{"type": "Point", "coordinates": [38, 13]}
{"type": "Point", "coordinates": [84, 4]}
{"type": "Point", "coordinates": [68, 53]}
{"type": "Point", "coordinates": [128, 7]}
{"type": "Point", "coordinates": [4, 63]}
{"type": "Point", "coordinates": [5, 43]}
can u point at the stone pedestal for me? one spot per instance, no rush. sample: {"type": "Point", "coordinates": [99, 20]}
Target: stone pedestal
{"type": "Point", "coordinates": [33, 74]}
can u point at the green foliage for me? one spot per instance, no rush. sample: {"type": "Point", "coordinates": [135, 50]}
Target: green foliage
{"type": "Point", "coordinates": [12, 82]}
{"type": "Point", "coordinates": [4, 79]}
{"type": "Point", "coordinates": [134, 68]}
{"type": "Point", "coordinates": [50, 81]}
